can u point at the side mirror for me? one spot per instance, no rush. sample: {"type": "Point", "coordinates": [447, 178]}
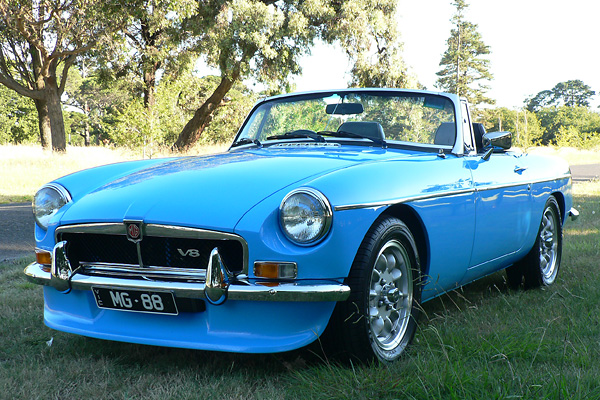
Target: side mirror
{"type": "Point", "coordinates": [496, 141]}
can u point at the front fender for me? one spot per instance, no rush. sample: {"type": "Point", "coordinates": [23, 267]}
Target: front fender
{"type": "Point", "coordinates": [329, 259]}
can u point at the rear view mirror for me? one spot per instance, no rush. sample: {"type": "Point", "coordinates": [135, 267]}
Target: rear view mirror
{"type": "Point", "coordinates": [344, 108]}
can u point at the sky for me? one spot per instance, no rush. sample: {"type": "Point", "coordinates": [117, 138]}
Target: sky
{"type": "Point", "coordinates": [534, 45]}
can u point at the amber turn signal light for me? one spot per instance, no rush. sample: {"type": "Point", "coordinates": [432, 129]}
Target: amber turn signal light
{"type": "Point", "coordinates": [43, 257]}
{"type": "Point", "coordinates": [275, 270]}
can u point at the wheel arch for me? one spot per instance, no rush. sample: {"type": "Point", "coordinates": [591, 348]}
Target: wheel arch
{"type": "Point", "coordinates": [560, 199]}
{"type": "Point", "coordinates": [411, 218]}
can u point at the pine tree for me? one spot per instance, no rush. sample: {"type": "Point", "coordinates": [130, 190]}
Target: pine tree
{"type": "Point", "coordinates": [464, 66]}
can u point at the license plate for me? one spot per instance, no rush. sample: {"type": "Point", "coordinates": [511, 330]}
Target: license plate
{"type": "Point", "coordinates": [135, 300]}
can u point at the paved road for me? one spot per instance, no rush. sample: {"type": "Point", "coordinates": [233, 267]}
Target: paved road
{"type": "Point", "coordinates": [16, 220]}
{"type": "Point", "coordinates": [16, 231]}
{"type": "Point", "coordinates": [582, 173]}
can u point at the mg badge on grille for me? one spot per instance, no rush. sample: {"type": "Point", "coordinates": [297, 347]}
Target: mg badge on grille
{"type": "Point", "coordinates": [134, 230]}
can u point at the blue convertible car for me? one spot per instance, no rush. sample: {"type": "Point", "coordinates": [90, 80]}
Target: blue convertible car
{"type": "Point", "coordinates": [333, 212]}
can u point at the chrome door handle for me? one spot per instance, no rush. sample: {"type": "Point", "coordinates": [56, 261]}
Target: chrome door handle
{"type": "Point", "coordinates": [518, 169]}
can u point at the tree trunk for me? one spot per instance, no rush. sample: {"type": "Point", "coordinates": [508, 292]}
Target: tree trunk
{"type": "Point", "coordinates": [202, 117]}
{"type": "Point", "coordinates": [150, 86]}
{"type": "Point", "coordinates": [57, 123]}
{"type": "Point", "coordinates": [43, 123]}
{"type": "Point", "coordinates": [86, 125]}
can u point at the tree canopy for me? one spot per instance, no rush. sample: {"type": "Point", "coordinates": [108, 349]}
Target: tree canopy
{"type": "Point", "coordinates": [124, 69]}
{"type": "Point", "coordinates": [573, 93]}
{"type": "Point", "coordinates": [464, 65]}
{"type": "Point", "coordinates": [39, 42]}
{"type": "Point", "coordinates": [264, 40]}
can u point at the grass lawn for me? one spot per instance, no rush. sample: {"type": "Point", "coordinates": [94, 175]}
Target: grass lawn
{"type": "Point", "coordinates": [483, 341]}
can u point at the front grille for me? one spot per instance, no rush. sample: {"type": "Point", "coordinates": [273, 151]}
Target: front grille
{"type": "Point", "coordinates": [177, 248]}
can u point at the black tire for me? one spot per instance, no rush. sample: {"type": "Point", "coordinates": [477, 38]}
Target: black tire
{"type": "Point", "coordinates": [379, 319]}
{"type": "Point", "coordinates": [514, 275]}
{"type": "Point", "coordinates": [540, 266]}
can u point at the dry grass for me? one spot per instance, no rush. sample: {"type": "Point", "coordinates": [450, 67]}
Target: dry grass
{"type": "Point", "coordinates": [572, 155]}
{"type": "Point", "coordinates": [23, 169]}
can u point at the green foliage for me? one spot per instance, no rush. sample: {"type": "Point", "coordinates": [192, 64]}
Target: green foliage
{"type": "Point", "coordinates": [18, 118]}
{"type": "Point", "coordinates": [383, 66]}
{"type": "Point", "coordinates": [265, 40]}
{"type": "Point", "coordinates": [463, 62]}
{"type": "Point", "coordinates": [569, 126]}
{"type": "Point", "coordinates": [572, 93]}
{"type": "Point", "coordinates": [524, 125]}
{"type": "Point", "coordinates": [152, 42]}
{"type": "Point", "coordinates": [565, 117]}
{"type": "Point", "coordinates": [39, 42]}
{"type": "Point", "coordinates": [96, 100]}
{"type": "Point", "coordinates": [135, 126]}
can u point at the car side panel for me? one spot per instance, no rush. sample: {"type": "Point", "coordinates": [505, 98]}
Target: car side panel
{"type": "Point", "coordinates": [512, 190]}
{"type": "Point", "coordinates": [503, 211]}
{"type": "Point", "coordinates": [450, 227]}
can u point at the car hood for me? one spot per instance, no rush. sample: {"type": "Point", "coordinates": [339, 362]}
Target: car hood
{"type": "Point", "coordinates": [210, 192]}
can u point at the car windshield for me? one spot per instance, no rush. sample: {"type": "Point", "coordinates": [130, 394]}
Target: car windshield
{"type": "Point", "coordinates": [380, 117]}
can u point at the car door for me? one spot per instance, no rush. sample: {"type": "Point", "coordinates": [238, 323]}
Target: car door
{"type": "Point", "coordinates": [502, 210]}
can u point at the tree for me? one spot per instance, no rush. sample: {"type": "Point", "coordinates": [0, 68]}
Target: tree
{"type": "Point", "coordinates": [39, 42]}
{"type": "Point", "coordinates": [95, 98]}
{"type": "Point", "coordinates": [463, 62]}
{"type": "Point", "coordinates": [264, 40]}
{"type": "Point", "coordinates": [573, 93]}
{"type": "Point", "coordinates": [540, 100]}
{"type": "Point", "coordinates": [385, 66]}
{"type": "Point", "coordinates": [17, 118]}
{"type": "Point", "coordinates": [176, 100]}
{"type": "Point", "coordinates": [523, 124]}
{"type": "Point", "coordinates": [151, 44]}
{"type": "Point", "coordinates": [580, 123]}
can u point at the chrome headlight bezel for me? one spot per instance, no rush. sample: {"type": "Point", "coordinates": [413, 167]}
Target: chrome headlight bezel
{"type": "Point", "coordinates": [47, 201]}
{"type": "Point", "coordinates": [313, 200]}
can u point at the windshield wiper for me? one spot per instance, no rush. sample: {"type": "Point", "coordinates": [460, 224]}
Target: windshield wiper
{"type": "Point", "coordinates": [246, 140]}
{"type": "Point", "coordinates": [298, 134]}
{"type": "Point", "coordinates": [342, 133]}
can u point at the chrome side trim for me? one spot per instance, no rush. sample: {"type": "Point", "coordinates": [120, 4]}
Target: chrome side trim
{"type": "Point", "coordinates": [118, 228]}
{"type": "Point", "coordinates": [404, 200]}
{"type": "Point", "coordinates": [509, 185]}
{"type": "Point", "coordinates": [238, 290]}
{"type": "Point", "coordinates": [388, 203]}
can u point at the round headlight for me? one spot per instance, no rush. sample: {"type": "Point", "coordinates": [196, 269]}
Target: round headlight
{"type": "Point", "coordinates": [305, 216]}
{"type": "Point", "coordinates": [47, 201]}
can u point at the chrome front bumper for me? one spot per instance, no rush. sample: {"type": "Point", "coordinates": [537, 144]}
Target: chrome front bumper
{"type": "Point", "coordinates": [218, 287]}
